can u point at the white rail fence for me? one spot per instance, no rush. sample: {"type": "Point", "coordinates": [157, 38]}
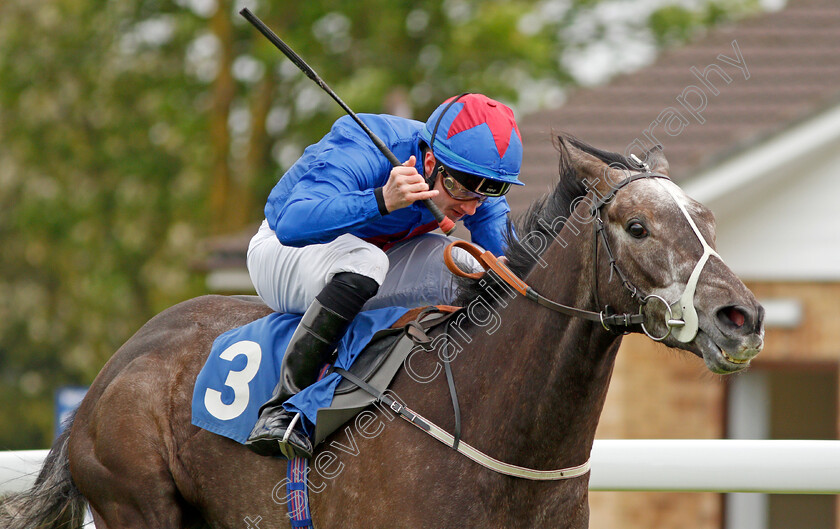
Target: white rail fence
{"type": "Point", "coordinates": [19, 469]}
{"type": "Point", "coordinates": [782, 467]}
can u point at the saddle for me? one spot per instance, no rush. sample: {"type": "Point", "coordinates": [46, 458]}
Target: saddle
{"type": "Point", "coordinates": [377, 365]}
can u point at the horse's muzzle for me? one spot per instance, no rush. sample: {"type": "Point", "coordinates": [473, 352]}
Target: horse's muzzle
{"type": "Point", "coordinates": [742, 329]}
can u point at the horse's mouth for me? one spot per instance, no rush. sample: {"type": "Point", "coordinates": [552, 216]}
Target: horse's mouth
{"type": "Point", "coordinates": [732, 360]}
{"type": "Point", "coordinates": [724, 364]}
{"type": "Point", "coordinates": [718, 360]}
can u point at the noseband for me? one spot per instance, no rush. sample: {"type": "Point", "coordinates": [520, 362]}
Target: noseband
{"type": "Point", "coordinates": [681, 316]}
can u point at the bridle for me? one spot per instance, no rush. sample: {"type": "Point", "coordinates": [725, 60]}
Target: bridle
{"type": "Point", "coordinates": [600, 232]}
{"type": "Point", "coordinates": [681, 316]}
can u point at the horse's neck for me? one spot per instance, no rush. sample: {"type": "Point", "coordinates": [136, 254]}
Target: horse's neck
{"type": "Point", "coordinates": [542, 377]}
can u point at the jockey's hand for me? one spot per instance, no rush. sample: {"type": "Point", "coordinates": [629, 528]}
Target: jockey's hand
{"type": "Point", "coordinates": [405, 186]}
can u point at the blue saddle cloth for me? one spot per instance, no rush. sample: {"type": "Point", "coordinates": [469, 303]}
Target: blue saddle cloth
{"type": "Point", "coordinates": [244, 366]}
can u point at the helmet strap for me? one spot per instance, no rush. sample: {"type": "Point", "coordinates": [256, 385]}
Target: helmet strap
{"type": "Point", "coordinates": [440, 118]}
{"type": "Point", "coordinates": [430, 179]}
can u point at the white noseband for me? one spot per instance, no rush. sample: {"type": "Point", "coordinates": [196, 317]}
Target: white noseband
{"type": "Point", "coordinates": [684, 324]}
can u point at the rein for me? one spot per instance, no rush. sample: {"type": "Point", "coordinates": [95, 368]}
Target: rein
{"type": "Point", "coordinates": [490, 262]}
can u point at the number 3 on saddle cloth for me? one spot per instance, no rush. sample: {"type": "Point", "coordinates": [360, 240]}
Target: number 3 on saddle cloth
{"type": "Point", "coordinates": [244, 366]}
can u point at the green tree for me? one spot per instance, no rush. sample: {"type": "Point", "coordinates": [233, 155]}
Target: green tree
{"type": "Point", "coordinates": [102, 190]}
{"type": "Point", "coordinates": [672, 24]}
{"type": "Point", "coordinates": [131, 131]}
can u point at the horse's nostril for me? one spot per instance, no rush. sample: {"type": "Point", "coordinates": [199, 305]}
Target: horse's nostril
{"type": "Point", "coordinates": [732, 316]}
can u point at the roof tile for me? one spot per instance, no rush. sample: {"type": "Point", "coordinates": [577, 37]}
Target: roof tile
{"type": "Point", "coordinates": [793, 60]}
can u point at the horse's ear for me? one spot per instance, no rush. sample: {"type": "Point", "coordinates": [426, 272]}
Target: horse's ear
{"type": "Point", "coordinates": [655, 158]}
{"type": "Point", "coordinates": [588, 169]}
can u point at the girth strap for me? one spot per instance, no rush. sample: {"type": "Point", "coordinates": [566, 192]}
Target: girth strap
{"type": "Point", "coordinates": [450, 379]}
{"type": "Point", "coordinates": [416, 330]}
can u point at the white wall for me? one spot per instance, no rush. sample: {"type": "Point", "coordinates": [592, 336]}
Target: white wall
{"type": "Point", "coordinates": [785, 226]}
{"type": "Point", "coordinates": [777, 204]}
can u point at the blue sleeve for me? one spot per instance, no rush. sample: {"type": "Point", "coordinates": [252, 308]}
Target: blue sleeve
{"type": "Point", "coordinates": [335, 194]}
{"type": "Point", "coordinates": [489, 225]}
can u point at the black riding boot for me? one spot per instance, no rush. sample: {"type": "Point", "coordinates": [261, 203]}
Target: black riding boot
{"type": "Point", "coordinates": [313, 345]}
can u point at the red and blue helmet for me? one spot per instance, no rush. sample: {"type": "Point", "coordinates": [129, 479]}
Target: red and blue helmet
{"type": "Point", "coordinates": [476, 135]}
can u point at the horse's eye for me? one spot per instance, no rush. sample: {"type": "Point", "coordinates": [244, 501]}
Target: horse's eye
{"type": "Point", "coordinates": [637, 230]}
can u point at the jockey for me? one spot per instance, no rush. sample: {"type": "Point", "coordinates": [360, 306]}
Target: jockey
{"type": "Point", "coordinates": [344, 230]}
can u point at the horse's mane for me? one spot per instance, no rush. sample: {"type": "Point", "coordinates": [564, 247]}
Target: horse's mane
{"type": "Point", "coordinates": [547, 212]}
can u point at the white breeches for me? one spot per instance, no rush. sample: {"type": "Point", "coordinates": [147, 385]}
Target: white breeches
{"type": "Point", "coordinates": [410, 274]}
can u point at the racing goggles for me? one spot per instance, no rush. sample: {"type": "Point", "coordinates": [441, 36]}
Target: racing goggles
{"type": "Point", "coordinates": [465, 187]}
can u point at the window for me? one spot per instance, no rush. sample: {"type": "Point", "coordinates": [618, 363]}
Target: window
{"type": "Point", "coordinates": [789, 401]}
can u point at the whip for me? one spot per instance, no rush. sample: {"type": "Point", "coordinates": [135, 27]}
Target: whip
{"type": "Point", "coordinates": [445, 223]}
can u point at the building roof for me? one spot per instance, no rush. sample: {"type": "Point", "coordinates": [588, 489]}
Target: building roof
{"type": "Point", "coordinates": [789, 71]}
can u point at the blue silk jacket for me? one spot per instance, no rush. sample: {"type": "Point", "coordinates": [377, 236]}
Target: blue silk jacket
{"type": "Point", "coordinates": [329, 191]}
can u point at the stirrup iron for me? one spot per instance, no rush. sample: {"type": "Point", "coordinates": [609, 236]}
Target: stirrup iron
{"type": "Point", "coordinates": [291, 427]}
